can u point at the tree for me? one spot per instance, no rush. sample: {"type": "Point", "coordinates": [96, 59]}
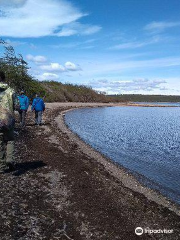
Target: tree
{"type": "Point", "coordinates": [15, 67]}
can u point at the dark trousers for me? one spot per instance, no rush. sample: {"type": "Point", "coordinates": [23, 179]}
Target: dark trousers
{"type": "Point", "coordinates": [22, 115]}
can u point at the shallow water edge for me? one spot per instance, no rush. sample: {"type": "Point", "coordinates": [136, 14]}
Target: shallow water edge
{"type": "Point", "coordinates": [117, 171]}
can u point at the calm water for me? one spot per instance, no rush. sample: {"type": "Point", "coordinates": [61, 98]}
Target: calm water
{"type": "Point", "coordinates": [144, 140]}
{"type": "Point", "coordinates": [175, 104]}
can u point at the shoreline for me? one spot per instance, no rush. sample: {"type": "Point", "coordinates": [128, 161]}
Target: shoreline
{"type": "Point", "coordinates": [116, 170]}
{"type": "Point", "coordinates": [64, 189]}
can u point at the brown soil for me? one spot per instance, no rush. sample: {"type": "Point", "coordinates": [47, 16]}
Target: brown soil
{"type": "Point", "coordinates": [61, 190]}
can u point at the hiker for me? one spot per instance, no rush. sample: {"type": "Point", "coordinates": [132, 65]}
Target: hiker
{"type": "Point", "coordinates": [7, 123]}
{"type": "Point", "coordinates": [24, 104]}
{"type": "Point", "coordinates": [38, 106]}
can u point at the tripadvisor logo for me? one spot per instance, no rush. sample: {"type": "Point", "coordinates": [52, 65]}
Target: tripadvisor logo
{"type": "Point", "coordinates": [139, 231]}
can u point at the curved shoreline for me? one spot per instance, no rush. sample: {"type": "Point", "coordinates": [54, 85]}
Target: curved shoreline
{"type": "Point", "coordinates": [62, 188]}
{"type": "Point", "coordinates": [115, 170]}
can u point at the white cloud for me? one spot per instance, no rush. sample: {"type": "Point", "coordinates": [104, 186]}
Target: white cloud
{"type": "Point", "coordinates": [155, 27]}
{"type": "Point", "coordinates": [36, 59]}
{"type": "Point", "coordinates": [42, 18]}
{"type": "Point", "coordinates": [78, 28]}
{"type": "Point", "coordinates": [77, 45]}
{"type": "Point", "coordinates": [66, 45]}
{"type": "Point", "coordinates": [33, 46]}
{"type": "Point", "coordinates": [10, 3]}
{"type": "Point", "coordinates": [53, 67]}
{"type": "Point", "coordinates": [48, 76]}
{"type": "Point", "coordinates": [56, 67]}
{"type": "Point", "coordinates": [72, 67]}
{"type": "Point", "coordinates": [135, 85]}
{"type": "Point", "coordinates": [14, 43]}
{"type": "Point", "coordinates": [132, 45]}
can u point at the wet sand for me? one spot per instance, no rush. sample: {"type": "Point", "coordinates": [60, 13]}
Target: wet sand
{"type": "Point", "coordinates": [63, 189]}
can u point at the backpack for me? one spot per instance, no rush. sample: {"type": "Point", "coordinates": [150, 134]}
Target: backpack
{"type": "Point", "coordinates": [7, 120]}
{"type": "Point", "coordinates": [6, 110]}
{"type": "Point", "coordinates": [24, 102]}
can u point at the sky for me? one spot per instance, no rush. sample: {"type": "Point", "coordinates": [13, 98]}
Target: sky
{"type": "Point", "coordinates": [114, 46]}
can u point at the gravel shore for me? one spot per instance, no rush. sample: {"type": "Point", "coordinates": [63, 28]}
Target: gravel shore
{"type": "Point", "coordinates": [63, 189]}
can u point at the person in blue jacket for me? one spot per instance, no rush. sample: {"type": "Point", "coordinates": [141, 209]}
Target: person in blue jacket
{"type": "Point", "coordinates": [38, 106]}
{"type": "Point", "coordinates": [23, 107]}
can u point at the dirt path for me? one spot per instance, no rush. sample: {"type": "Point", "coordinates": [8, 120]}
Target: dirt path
{"type": "Point", "coordinates": [59, 192]}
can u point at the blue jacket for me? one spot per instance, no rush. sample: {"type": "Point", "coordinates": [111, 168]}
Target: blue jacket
{"type": "Point", "coordinates": [38, 104]}
{"type": "Point", "coordinates": [24, 102]}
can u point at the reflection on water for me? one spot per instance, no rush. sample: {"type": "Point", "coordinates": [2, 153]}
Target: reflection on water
{"type": "Point", "coordinates": [144, 140]}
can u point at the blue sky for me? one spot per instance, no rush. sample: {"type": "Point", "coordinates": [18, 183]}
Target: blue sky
{"type": "Point", "coordinates": [117, 46]}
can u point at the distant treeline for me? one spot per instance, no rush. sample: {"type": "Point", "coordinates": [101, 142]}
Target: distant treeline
{"type": "Point", "coordinates": [145, 98]}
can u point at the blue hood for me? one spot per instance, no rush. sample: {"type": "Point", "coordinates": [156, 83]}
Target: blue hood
{"type": "Point", "coordinates": [38, 104]}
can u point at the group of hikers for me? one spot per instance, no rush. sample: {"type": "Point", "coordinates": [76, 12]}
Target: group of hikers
{"type": "Point", "coordinates": [10, 102]}
{"type": "Point", "coordinates": [21, 104]}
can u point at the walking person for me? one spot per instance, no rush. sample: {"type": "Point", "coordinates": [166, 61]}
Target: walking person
{"type": "Point", "coordinates": [24, 104]}
{"type": "Point", "coordinates": [7, 123]}
{"type": "Point", "coordinates": [38, 106]}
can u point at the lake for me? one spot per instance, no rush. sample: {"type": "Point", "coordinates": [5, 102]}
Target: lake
{"type": "Point", "coordinates": [144, 140]}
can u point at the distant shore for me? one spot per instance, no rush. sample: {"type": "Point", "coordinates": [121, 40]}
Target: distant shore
{"type": "Point", "coordinates": [113, 104]}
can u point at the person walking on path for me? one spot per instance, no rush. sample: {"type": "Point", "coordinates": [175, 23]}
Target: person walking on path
{"type": "Point", "coordinates": [24, 104]}
{"type": "Point", "coordinates": [38, 106]}
{"type": "Point", "coordinates": [7, 122]}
